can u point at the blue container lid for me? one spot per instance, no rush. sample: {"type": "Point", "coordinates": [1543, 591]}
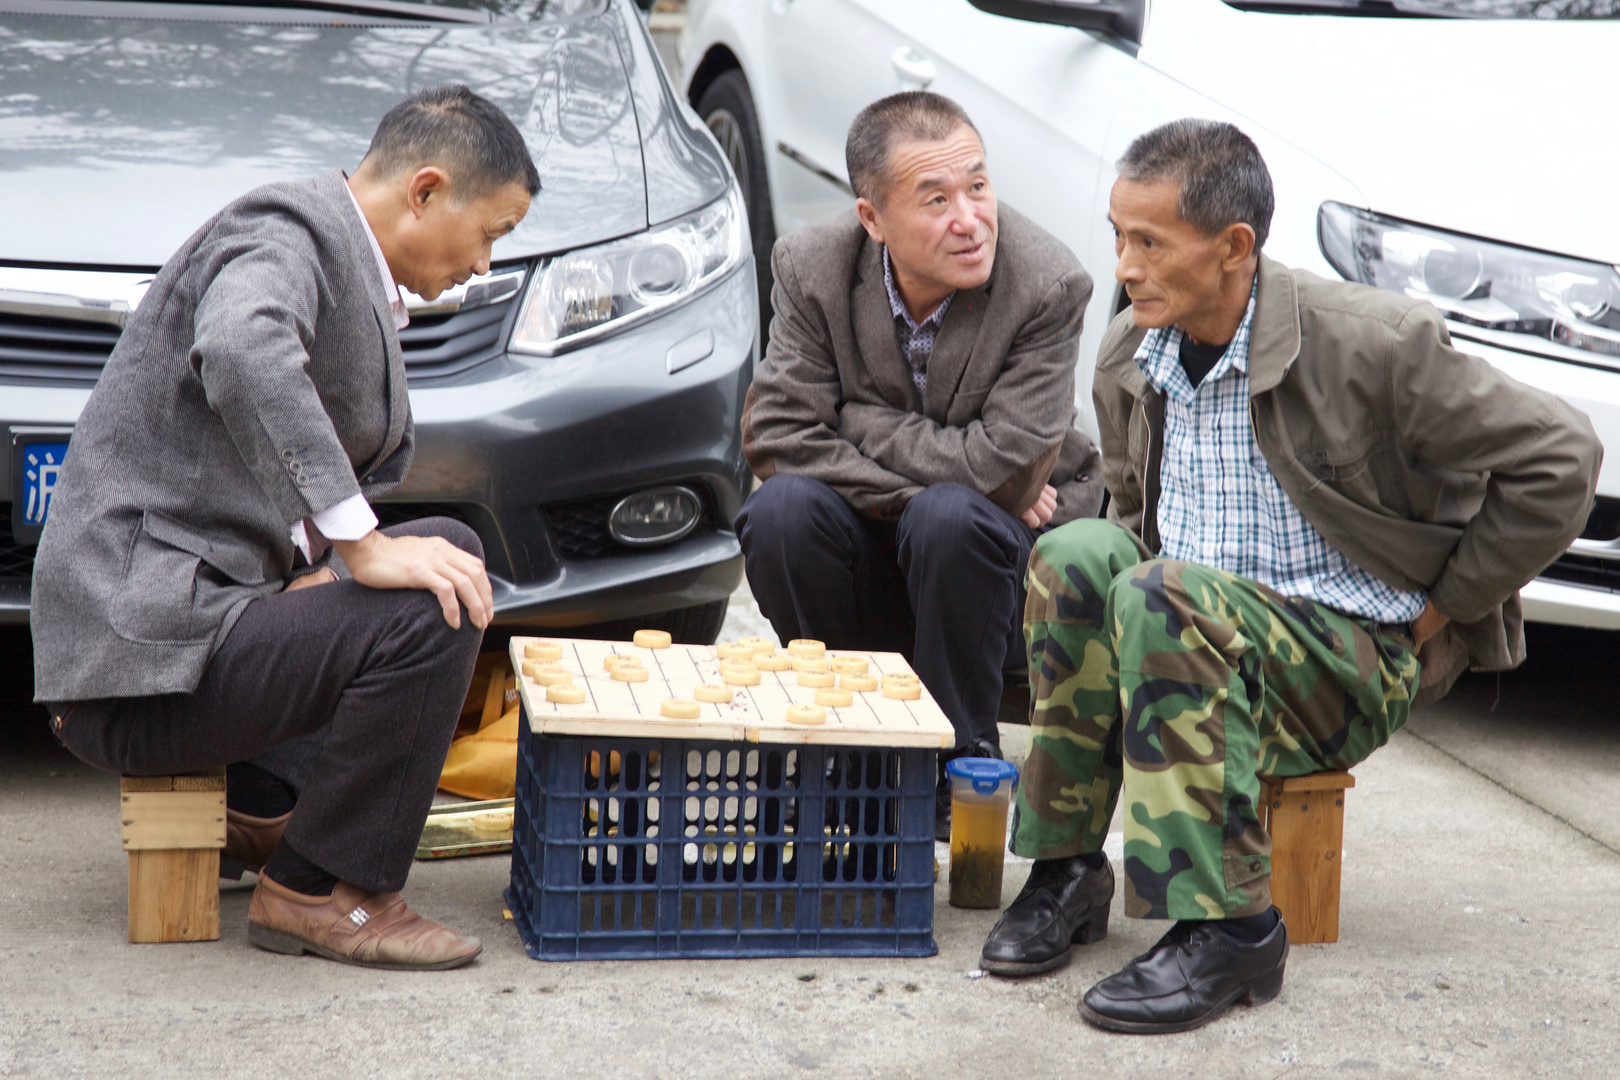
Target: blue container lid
{"type": "Point", "coordinates": [986, 773]}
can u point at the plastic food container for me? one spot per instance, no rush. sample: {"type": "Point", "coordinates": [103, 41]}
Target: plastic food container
{"type": "Point", "coordinates": [981, 789]}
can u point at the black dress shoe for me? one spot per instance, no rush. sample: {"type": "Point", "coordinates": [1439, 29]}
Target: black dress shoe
{"type": "Point", "coordinates": [1187, 980]}
{"type": "Point", "coordinates": [1064, 902]}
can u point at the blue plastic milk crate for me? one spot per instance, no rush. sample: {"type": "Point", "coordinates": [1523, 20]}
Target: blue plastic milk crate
{"type": "Point", "coordinates": [645, 848]}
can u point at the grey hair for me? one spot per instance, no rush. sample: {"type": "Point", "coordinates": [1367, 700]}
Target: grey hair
{"type": "Point", "coordinates": [464, 134]}
{"type": "Point", "coordinates": [914, 114]}
{"type": "Point", "coordinates": [1223, 178]}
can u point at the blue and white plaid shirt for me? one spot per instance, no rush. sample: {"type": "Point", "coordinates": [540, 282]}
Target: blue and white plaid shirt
{"type": "Point", "coordinates": [916, 338]}
{"type": "Point", "coordinates": [1219, 504]}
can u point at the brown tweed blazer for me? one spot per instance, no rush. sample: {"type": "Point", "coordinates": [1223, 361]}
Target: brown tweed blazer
{"type": "Point", "coordinates": [833, 398]}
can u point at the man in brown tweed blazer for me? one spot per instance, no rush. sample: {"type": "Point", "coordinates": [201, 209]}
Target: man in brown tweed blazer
{"type": "Point", "coordinates": [913, 419]}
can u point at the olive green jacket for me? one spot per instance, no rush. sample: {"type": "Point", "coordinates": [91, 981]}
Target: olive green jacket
{"type": "Point", "coordinates": [1427, 467]}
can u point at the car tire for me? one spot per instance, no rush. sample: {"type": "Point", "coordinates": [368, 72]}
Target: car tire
{"type": "Point", "coordinates": [727, 108]}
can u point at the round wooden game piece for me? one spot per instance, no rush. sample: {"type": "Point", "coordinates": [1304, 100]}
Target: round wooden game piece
{"type": "Point", "coordinates": [760, 644]}
{"type": "Point", "coordinates": [815, 678]}
{"type": "Point", "coordinates": [714, 692]}
{"type": "Point", "coordinates": [806, 647]}
{"type": "Point", "coordinates": [810, 663]}
{"type": "Point", "coordinates": [806, 714]}
{"type": "Point", "coordinates": [552, 675]}
{"type": "Point", "coordinates": [651, 639]}
{"type": "Point", "coordinates": [613, 660]}
{"type": "Point", "coordinates": [834, 697]}
{"type": "Point", "coordinates": [542, 650]}
{"type": "Point", "coordinates": [680, 709]}
{"type": "Point", "coordinates": [564, 694]}
{"type": "Point", "coordinates": [734, 650]}
{"type": "Point", "coordinates": [902, 690]}
{"type": "Point", "coordinates": [863, 684]}
{"type": "Point", "coordinates": [739, 674]}
{"type": "Point", "coordinates": [493, 821]}
{"type": "Point", "coordinates": [628, 673]}
{"type": "Point", "coordinates": [773, 661]}
{"type": "Point", "coordinates": [851, 665]}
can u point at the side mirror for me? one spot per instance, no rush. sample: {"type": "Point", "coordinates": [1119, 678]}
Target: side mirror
{"type": "Point", "coordinates": [1115, 18]}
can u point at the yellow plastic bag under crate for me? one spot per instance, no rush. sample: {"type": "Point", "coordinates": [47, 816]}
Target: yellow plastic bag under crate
{"type": "Point", "coordinates": [483, 764]}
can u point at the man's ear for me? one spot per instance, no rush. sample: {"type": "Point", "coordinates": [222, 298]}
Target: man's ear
{"type": "Point", "coordinates": [1239, 238]}
{"type": "Point", "coordinates": [869, 220]}
{"type": "Point", "coordinates": [427, 184]}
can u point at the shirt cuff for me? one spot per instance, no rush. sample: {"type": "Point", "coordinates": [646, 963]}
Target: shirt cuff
{"type": "Point", "coordinates": [348, 520]}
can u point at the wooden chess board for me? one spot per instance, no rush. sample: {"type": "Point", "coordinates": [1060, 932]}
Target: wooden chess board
{"type": "Point", "coordinates": [755, 713]}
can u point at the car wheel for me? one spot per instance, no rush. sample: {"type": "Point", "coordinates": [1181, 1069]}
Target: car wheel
{"type": "Point", "coordinates": [728, 109]}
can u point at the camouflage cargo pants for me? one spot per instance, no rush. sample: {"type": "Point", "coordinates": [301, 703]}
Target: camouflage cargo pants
{"type": "Point", "coordinates": [1183, 685]}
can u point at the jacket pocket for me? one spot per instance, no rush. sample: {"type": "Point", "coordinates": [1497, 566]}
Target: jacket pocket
{"type": "Point", "coordinates": [165, 582]}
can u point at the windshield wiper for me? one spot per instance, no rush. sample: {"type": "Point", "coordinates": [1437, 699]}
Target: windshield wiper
{"type": "Point", "coordinates": [403, 10]}
{"type": "Point", "coordinates": [1369, 9]}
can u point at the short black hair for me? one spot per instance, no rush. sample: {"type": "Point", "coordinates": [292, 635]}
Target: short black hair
{"type": "Point", "coordinates": [1223, 178]}
{"type": "Point", "coordinates": [913, 114]}
{"type": "Point", "coordinates": [460, 132]}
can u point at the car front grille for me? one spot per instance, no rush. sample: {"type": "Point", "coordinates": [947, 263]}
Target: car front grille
{"type": "Point", "coordinates": [32, 347]}
{"type": "Point", "coordinates": [435, 344]}
{"type": "Point", "coordinates": [580, 528]}
{"type": "Point", "coordinates": [1585, 570]}
{"type": "Point", "coordinates": [1603, 523]}
{"type": "Point", "coordinates": [16, 560]}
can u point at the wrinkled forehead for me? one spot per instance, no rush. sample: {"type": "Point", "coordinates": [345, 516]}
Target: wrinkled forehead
{"type": "Point", "coordinates": [1145, 203]}
{"type": "Point", "coordinates": [918, 165]}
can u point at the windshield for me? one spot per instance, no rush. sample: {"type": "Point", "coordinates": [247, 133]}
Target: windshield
{"type": "Point", "coordinates": [503, 10]}
{"type": "Point", "coordinates": [1440, 9]}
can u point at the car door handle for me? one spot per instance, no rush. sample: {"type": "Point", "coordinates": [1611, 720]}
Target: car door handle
{"type": "Point", "coordinates": [915, 70]}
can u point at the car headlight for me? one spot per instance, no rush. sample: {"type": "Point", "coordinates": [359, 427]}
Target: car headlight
{"type": "Point", "coordinates": [596, 291]}
{"type": "Point", "coordinates": [1508, 289]}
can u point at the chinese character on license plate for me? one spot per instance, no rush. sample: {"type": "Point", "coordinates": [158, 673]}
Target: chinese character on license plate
{"type": "Point", "coordinates": [42, 463]}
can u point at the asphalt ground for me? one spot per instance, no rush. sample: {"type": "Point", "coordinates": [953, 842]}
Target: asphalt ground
{"type": "Point", "coordinates": [1481, 878]}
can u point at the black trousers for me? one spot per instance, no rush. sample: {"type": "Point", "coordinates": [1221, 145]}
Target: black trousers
{"type": "Point", "coordinates": [944, 585]}
{"type": "Point", "coordinates": [349, 693]}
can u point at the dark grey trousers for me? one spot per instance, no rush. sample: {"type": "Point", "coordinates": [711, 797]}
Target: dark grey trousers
{"type": "Point", "coordinates": [349, 693]}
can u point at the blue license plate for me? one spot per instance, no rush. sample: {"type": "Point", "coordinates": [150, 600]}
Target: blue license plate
{"type": "Point", "coordinates": [42, 464]}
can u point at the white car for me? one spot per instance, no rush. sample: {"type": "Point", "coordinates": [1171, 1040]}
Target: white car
{"type": "Point", "coordinates": [1461, 151]}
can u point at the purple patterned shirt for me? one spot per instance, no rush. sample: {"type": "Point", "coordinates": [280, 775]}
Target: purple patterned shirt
{"type": "Point", "coordinates": [916, 338]}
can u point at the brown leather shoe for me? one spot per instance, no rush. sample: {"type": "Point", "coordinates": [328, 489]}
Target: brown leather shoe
{"type": "Point", "coordinates": [249, 841]}
{"type": "Point", "coordinates": [354, 927]}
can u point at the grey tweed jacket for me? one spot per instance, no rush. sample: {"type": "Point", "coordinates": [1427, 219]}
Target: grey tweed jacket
{"type": "Point", "coordinates": [834, 399]}
{"type": "Point", "coordinates": [259, 382]}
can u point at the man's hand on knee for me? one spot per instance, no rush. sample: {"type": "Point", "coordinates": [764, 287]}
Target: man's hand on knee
{"type": "Point", "coordinates": [1045, 506]}
{"type": "Point", "coordinates": [422, 562]}
{"type": "Point", "coordinates": [323, 576]}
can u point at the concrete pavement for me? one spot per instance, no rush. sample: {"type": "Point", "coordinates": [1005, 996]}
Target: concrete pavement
{"type": "Point", "coordinates": [1476, 941]}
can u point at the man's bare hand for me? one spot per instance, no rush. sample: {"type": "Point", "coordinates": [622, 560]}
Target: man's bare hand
{"type": "Point", "coordinates": [1045, 506]}
{"type": "Point", "coordinates": [323, 576]}
{"type": "Point", "coordinates": [1428, 624]}
{"type": "Point", "coordinates": [422, 562]}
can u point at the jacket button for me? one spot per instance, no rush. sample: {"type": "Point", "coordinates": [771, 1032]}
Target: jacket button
{"type": "Point", "coordinates": [301, 480]}
{"type": "Point", "coordinates": [1255, 866]}
{"type": "Point", "coordinates": [286, 455]}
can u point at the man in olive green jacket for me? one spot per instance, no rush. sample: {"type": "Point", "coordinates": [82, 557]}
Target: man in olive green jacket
{"type": "Point", "coordinates": [1321, 514]}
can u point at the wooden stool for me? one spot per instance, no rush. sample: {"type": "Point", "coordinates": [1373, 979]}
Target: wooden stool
{"type": "Point", "coordinates": [1305, 817]}
{"type": "Point", "coordinates": [173, 829]}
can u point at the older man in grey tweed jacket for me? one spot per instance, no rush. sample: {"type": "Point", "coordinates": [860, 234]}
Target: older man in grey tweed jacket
{"type": "Point", "coordinates": [914, 418]}
{"type": "Point", "coordinates": [186, 612]}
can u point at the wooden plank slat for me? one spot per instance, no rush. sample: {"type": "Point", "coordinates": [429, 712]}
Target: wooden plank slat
{"type": "Point", "coordinates": [211, 780]}
{"type": "Point", "coordinates": [174, 895]}
{"type": "Point", "coordinates": [1307, 838]}
{"type": "Point", "coordinates": [164, 820]}
{"type": "Point", "coordinates": [756, 713]}
{"type": "Point", "coordinates": [1322, 781]}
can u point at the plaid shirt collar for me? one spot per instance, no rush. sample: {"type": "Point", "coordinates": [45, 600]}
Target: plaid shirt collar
{"type": "Point", "coordinates": [898, 306]}
{"type": "Point", "coordinates": [1159, 356]}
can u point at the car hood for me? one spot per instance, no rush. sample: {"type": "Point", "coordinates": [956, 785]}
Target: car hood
{"type": "Point", "coordinates": [118, 138]}
{"type": "Point", "coordinates": [1496, 128]}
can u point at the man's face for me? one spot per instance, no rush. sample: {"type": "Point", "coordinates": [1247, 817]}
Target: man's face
{"type": "Point", "coordinates": [1171, 271]}
{"type": "Point", "coordinates": [444, 243]}
{"type": "Point", "coordinates": [938, 215]}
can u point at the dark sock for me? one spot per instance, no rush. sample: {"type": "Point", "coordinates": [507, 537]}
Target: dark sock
{"type": "Point", "coordinates": [1096, 860]}
{"type": "Point", "coordinates": [251, 790]}
{"type": "Point", "coordinates": [1250, 929]}
{"type": "Point", "coordinates": [297, 873]}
